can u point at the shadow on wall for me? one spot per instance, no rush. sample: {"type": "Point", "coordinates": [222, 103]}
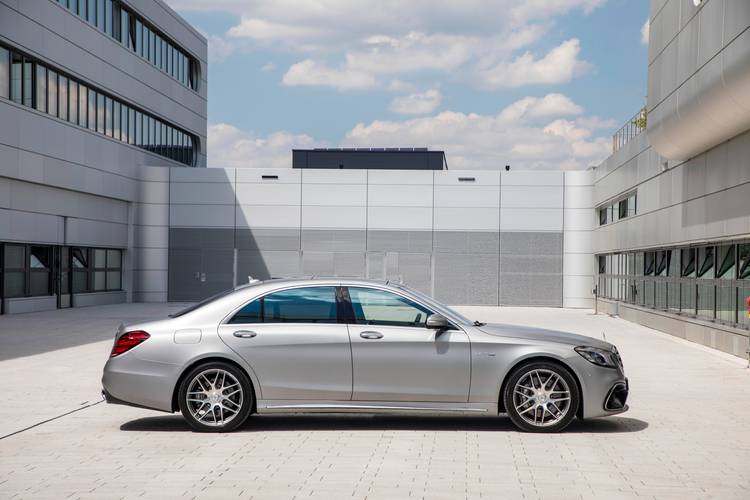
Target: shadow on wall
{"type": "Point", "coordinates": [208, 258]}
{"type": "Point", "coordinates": [270, 423]}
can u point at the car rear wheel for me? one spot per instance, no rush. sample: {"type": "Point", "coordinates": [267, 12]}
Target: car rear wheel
{"type": "Point", "coordinates": [215, 397]}
{"type": "Point", "coordinates": [541, 397]}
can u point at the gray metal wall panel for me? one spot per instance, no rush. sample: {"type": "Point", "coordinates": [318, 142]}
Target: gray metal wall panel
{"type": "Point", "coordinates": [466, 278]}
{"type": "Point", "coordinates": [399, 241]}
{"type": "Point", "coordinates": [334, 240]}
{"type": "Point", "coordinates": [267, 264]}
{"type": "Point", "coordinates": [466, 242]}
{"type": "Point", "coordinates": [268, 239]}
{"type": "Point", "coordinates": [531, 267]}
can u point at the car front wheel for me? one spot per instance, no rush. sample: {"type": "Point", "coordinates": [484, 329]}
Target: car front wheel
{"type": "Point", "coordinates": [215, 397]}
{"type": "Point", "coordinates": [541, 397]}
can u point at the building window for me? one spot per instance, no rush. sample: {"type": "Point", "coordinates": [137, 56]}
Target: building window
{"type": "Point", "coordinates": [35, 85]}
{"type": "Point", "coordinates": [602, 216]}
{"type": "Point", "coordinates": [622, 209]}
{"type": "Point", "coordinates": [14, 271]}
{"type": "Point", "coordinates": [40, 269]}
{"type": "Point", "coordinates": [114, 19]}
{"type": "Point", "coordinates": [706, 262]}
{"type": "Point", "coordinates": [4, 73]}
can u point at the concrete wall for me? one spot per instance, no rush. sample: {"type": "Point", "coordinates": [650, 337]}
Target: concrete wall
{"type": "Point", "coordinates": [496, 239]}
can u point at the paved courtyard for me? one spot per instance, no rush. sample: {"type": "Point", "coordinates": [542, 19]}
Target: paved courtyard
{"type": "Point", "coordinates": [687, 434]}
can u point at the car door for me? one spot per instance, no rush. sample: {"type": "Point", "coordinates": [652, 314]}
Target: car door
{"type": "Point", "coordinates": [295, 344]}
{"type": "Point", "coordinates": [397, 358]}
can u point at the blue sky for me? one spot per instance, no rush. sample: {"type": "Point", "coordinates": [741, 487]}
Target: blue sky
{"type": "Point", "coordinates": [536, 84]}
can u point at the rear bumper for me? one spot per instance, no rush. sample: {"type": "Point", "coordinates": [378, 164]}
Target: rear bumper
{"type": "Point", "coordinates": [143, 384]}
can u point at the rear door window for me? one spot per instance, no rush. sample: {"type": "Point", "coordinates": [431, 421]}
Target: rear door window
{"type": "Point", "coordinates": [296, 305]}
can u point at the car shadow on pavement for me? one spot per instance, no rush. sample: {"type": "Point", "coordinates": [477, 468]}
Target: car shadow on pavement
{"type": "Point", "coordinates": [339, 422]}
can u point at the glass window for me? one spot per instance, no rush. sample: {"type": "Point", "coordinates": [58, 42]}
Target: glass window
{"type": "Point", "coordinates": [82, 105]}
{"type": "Point", "coordinates": [92, 110]}
{"type": "Point", "coordinates": [108, 112]}
{"type": "Point", "coordinates": [138, 129]}
{"type": "Point", "coordinates": [173, 71]}
{"type": "Point", "coordinates": [62, 103]}
{"type": "Point", "coordinates": [602, 216]}
{"type": "Point", "coordinates": [726, 262]}
{"type": "Point", "coordinates": [40, 262]}
{"type": "Point", "coordinates": [52, 93]}
{"type": "Point", "coordinates": [622, 208]}
{"type": "Point", "coordinates": [16, 78]}
{"type": "Point", "coordinates": [15, 256]}
{"type": "Point", "coordinates": [170, 51]}
{"type": "Point", "coordinates": [116, 119]}
{"type": "Point", "coordinates": [41, 88]}
{"type": "Point", "coordinates": [73, 97]}
{"type": "Point", "coordinates": [91, 17]}
{"type": "Point", "coordinates": [4, 73]}
{"type": "Point", "coordinates": [100, 258]}
{"type": "Point", "coordinates": [687, 260]}
{"type": "Point", "coordinates": [28, 84]}
{"type": "Point", "coordinates": [379, 307]}
{"type": "Point", "coordinates": [151, 133]}
{"type": "Point", "coordinates": [114, 280]}
{"type": "Point", "coordinates": [80, 258]}
{"type": "Point", "coordinates": [301, 305]}
{"type": "Point", "coordinates": [100, 281]}
{"type": "Point", "coordinates": [662, 262]}
{"type": "Point", "coordinates": [602, 264]}
{"type": "Point", "coordinates": [250, 313]}
{"type": "Point", "coordinates": [649, 263]}
{"type": "Point", "coordinates": [632, 204]}
{"type": "Point", "coordinates": [706, 262]}
{"type": "Point", "coordinates": [114, 259]}
{"type": "Point", "coordinates": [139, 38]}
{"type": "Point", "coordinates": [157, 59]}
{"type": "Point", "coordinates": [100, 14]}
{"type": "Point", "coordinates": [124, 129]}
{"type": "Point", "coordinates": [125, 29]}
{"type": "Point", "coordinates": [108, 17]}
{"type": "Point", "coordinates": [131, 126]}
{"type": "Point", "coordinates": [164, 47]}
{"type": "Point", "coordinates": [152, 47]}
{"type": "Point", "coordinates": [82, 9]}
{"type": "Point", "coordinates": [100, 125]}
{"type": "Point", "coordinates": [743, 271]}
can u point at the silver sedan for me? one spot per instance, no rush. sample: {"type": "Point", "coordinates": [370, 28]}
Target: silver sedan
{"type": "Point", "coordinates": [334, 345]}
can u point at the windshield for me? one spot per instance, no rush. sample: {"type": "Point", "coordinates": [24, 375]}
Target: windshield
{"type": "Point", "coordinates": [437, 305]}
{"type": "Point", "coordinates": [208, 300]}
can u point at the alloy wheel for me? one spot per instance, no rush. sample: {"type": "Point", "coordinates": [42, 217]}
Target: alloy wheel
{"type": "Point", "coordinates": [541, 397]}
{"type": "Point", "coordinates": [214, 397]}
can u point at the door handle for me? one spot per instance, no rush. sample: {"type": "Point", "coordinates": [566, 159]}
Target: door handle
{"type": "Point", "coordinates": [244, 334]}
{"type": "Point", "coordinates": [370, 335]}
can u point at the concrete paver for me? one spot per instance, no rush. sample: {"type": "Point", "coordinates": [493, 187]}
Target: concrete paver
{"type": "Point", "coordinates": [686, 435]}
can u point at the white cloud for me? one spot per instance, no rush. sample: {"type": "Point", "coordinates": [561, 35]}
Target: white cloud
{"type": "Point", "coordinates": [417, 104]}
{"type": "Point", "coordinates": [645, 31]}
{"type": "Point", "coordinates": [458, 39]}
{"type": "Point", "coordinates": [474, 140]}
{"type": "Point", "coordinates": [311, 73]}
{"type": "Point", "coordinates": [541, 107]}
{"type": "Point", "coordinates": [231, 147]}
{"type": "Point", "coordinates": [538, 138]}
{"type": "Point", "coordinates": [268, 67]}
{"type": "Point", "coordinates": [559, 65]}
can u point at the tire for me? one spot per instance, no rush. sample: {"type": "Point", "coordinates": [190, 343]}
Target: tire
{"type": "Point", "coordinates": [543, 409]}
{"type": "Point", "coordinates": [209, 398]}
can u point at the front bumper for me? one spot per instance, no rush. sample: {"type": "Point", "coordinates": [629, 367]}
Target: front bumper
{"type": "Point", "coordinates": [617, 397]}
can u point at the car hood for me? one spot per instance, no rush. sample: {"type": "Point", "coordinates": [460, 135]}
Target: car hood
{"type": "Point", "coordinates": [543, 335]}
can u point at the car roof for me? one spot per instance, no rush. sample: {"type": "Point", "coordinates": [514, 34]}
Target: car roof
{"type": "Point", "coordinates": [320, 280]}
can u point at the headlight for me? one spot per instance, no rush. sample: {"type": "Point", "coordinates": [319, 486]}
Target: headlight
{"type": "Point", "coordinates": [600, 357]}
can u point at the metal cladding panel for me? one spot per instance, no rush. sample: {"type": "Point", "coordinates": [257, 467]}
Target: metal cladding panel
{"type": "Point", "coordinates": [531, 290]}
{"type": "Point", "coordinates": [348, 264]}
{"type": "Point", "coordinates": [367, 160]}
{"type": "Point", "coordinates": [466, 242]}
{"type": "Point", "coordinates": [468, 279]}
{"type": "Point", "coordinates": [268, 239]}
{"type": "Point", "coordinates": [267, 264]}
{"type": "Point", "coordinates": [399, 241]}
{"type": "Point", "coordinates": [322, 240]}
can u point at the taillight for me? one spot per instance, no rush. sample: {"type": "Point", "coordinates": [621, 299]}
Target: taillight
{"type": "Point", "coordinates": [127, 341]}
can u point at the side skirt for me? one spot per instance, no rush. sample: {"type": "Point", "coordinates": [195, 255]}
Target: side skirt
{"type": "Point", "coordinates": [290, 406]}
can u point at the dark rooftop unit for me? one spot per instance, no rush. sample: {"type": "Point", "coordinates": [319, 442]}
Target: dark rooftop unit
{"type": "Point", "coordinates": [370, 159]}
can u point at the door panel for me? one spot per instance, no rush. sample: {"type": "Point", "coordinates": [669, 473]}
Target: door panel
{"type": "Point", "coordinates": [397, 358]}
{"type": "Point", "coordinates": [293, 340]}
{"type": "Point", "coordinates": [409, 364]}
{"type": "Point", "coordinates": [296, 361]}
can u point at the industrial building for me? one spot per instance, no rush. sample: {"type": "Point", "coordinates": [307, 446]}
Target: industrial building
{"type": "Point", "coordinates": [103, 114]}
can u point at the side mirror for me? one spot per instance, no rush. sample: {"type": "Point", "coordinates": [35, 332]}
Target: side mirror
{"type": "Point", "coordinates": [437, 322]}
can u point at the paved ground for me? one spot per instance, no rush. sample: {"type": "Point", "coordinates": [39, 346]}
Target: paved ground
{"type": "Point", "coordinates": [687, 434]}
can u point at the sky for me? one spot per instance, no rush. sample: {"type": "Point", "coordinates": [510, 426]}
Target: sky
{"type": "Point", "coordinates": [535, 84]}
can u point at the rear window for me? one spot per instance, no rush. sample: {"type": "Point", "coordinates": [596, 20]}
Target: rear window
{"type": "Point", "coordinates": [295, 305]}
